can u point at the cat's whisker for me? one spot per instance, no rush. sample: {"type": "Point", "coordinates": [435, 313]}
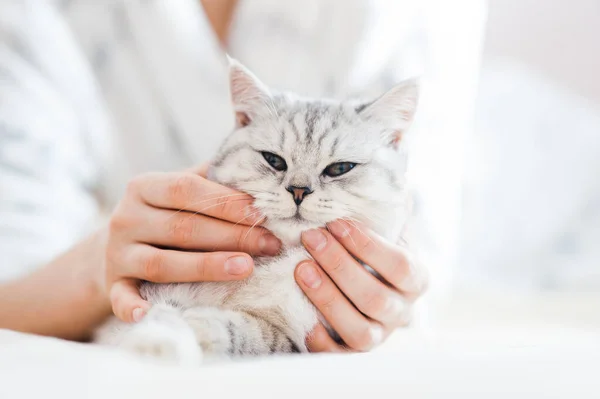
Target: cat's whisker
{"type": "Point", "coordinates": [272, 110]}
{"type": "Point", "coordinates": [246, 217]}
{"type": "Point", "coordinates": [249, 230]}
{"type": "Point", "coordinates": [239, 221]}
{"type": "Point", "coordinates": [249, 216]}
{"type": "Point", "coordinates": [350, 235]}
{"type": "Point", "coordinates": [209, 207]}
{"type": "Point", "coordinates": [354, 222]}
{"type": "Point", "coordinates": [370, 218]}
{"type": "Point", "coordinates": [205, 200]}
{"type": "Point", "coordinates": [350, 209]}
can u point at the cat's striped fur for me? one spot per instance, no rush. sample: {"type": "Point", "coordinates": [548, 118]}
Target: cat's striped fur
{"type": "Point", "coordinates": [268, 313]}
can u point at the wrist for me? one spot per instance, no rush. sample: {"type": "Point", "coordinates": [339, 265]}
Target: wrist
{"type": "Point", "coordinates": [94, 277]}
{"type": "Point", "coordinates": [90, 302]}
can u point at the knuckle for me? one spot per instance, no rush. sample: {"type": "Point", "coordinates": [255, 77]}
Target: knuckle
{"type": "Point", "coordinates": [125, 217]}
{"type": "Point", "coordinates": [223, 206]}
{"type": "Point", "coordinates": [375, 305]}
{"type": "Point", "coordinates": [362, 340]}
{"type": "Point", "coordinates": [181, 230]}
{"type": "Point", "coordinates": [326, 305]}
{"type": "Point", "coordinates": [181, 188]}
{"type": "Point", "coordinates": [153, 265]}
{"type": "Point", "coordinates": [241, 239]}
{"type": "Point", "coordinates": [367, 246]}
{"type": "Point", "coordinates": [133, 186]}
{"type": "Point", "coordinates": [115, 224]}
{"type": "Point", "coordinates": [399, 270]}
{"type": "Point", "coordinates": [338, 265]}
{"type": "Point", "coordinates": [119, 221]}
{"type": "Point", "coordinates": [201, 267]}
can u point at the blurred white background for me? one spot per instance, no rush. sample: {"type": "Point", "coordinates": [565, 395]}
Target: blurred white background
{"type": "Point", "coordinates": [531, 219]}
{"type": "Point", "coordinates": [556, 37]}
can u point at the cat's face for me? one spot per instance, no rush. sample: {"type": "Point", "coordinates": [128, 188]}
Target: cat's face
{"type": "Point", "coordinates": [310, 162]}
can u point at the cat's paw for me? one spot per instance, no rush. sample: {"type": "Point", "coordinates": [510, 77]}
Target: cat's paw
{"type": "Point", "coordinates": [211, 331]}
{"type": "Point", "coordinates": [153, 341]}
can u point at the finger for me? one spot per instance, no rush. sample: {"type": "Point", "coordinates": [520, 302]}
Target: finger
{"type": "Point", "coordinates": [365, 291]}
{"type": "Point", "coordinates": [200, 170]}
{"type": "Point", "coordinates": [355, 329]}
{"type": "Point", "coordinates": [391, 261]}
{"type": "Point", "coordinates": [125, 299]}
{"type": "Point", "coordinates": [319, 340]}
{"type": "Point", "coordinates": [198, 232]}
{"type": "Point", "coordinates": [190, 192]}
{"type": "Point", "coordinates": [145, 262]}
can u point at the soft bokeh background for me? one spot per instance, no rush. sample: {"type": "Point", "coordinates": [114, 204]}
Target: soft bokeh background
{"type": "Point", "coordinates": [531, 220]}
{"type": "Point", "coordinates": [529, 258]}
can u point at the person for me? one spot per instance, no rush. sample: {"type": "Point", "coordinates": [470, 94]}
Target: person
{"type": "Point", "coordinates": [104, 110]}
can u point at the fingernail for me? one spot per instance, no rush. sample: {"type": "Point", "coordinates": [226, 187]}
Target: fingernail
{"type": "Point", "coordinates": [309, 275]}
{"type": "Point", "coordinates": [338, 229]}
{"type": "Point", "coordinates": [252, 214]}
{"type": "Point", "coordinates": [315, 239]}
{"type": "Point", "coordinates": [138, 314]}
{"type": "Point", "coordinates": [237, 265]}
{"type": "Point", "coordinates": [268, 244]}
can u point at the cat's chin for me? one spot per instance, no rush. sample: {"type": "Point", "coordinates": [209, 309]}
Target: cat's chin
{"type": "Point", "coordinates": [290, 231]}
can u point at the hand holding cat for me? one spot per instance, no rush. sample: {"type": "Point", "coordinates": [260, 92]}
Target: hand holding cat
{"type": "Point", "coordinates": [363, 310]}
{"type": "Point", "coordinates": [169, 225]}
{"type": "Point", "coordinates": [179, 227]}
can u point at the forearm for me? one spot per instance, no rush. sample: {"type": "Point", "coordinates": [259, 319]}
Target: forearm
{"type": "Point", "coordinates": [63, 299]}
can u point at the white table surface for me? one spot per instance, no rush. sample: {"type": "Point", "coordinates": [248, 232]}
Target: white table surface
{"type": "Point", "coordinates": [538, 359]}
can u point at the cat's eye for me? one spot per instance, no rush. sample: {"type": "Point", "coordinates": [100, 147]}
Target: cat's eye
{"type": "Point", "coordinates": [338, 169]}
{"type": "Point", "coordinates": [275, 161]}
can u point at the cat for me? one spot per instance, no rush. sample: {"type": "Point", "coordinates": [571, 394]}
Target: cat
{"type": "Point", "coordinates": [306, 162]}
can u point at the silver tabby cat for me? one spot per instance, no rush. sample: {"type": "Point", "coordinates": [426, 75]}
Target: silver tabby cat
{"type": "Point", "coordinates": [306, 162]}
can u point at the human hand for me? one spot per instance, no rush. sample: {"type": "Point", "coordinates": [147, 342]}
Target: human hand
{"type": "Point", "coordinates": [363, 310]}
{"type": "Point", "coordinates": [179, 227]}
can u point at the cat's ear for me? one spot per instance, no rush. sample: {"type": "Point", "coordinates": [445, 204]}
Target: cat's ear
{"type": "Point", "coordinates": [249, 95]}
{"type": "Point", "coordinates": [396, 109]}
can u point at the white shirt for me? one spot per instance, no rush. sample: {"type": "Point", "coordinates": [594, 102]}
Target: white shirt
{"type": "Point", "coordinates": [93, 93]}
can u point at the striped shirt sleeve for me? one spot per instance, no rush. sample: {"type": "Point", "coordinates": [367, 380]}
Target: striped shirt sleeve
{"type": "Point", "coordinates": [46, 171]}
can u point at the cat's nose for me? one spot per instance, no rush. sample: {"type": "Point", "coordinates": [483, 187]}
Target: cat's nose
{"type": "Point", "coordinates": [299, 193]}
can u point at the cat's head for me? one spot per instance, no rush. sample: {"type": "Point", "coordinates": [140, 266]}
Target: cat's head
{"type": "Point", "coordinates": [309, 162]}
